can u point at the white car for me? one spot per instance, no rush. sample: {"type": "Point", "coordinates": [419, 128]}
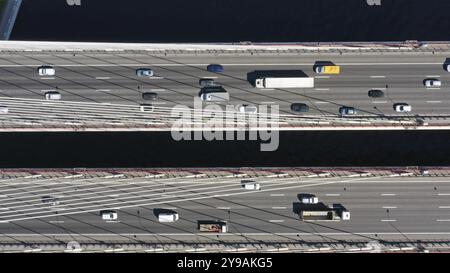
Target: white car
{"type": "Point", "coordinates": [402, 107]}
{"type": "Point", "coordinates": [309, 199]}
{"type": "Point", "coordinates": [46, 70]}
{"type": "Point", "coordinates": [247, 108]}
{"type": "Point", "coordinates": [109, 214]}
{"type": "Point", "coordinates": [447, 67]}
{"type": "Point", "coordinates": [52, 95]}
{"type": "Point", "coordinates": [168, 217]}
{"type": "Point", "coordinates": [250, 185]}
{"type": "Point", "coordinates": [145, 107]}
{"type": "Point", "coordinates": [432, 83]}
{"type": "Point", "coordinates": [4, 110]}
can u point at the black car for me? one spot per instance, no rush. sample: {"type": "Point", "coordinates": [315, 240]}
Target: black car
{"type": "Point", "coordinates": [299, 107]}
{"type": "Point", "coordinates": [376, 94]}
{"type": "Point", "coordinates": [149, 96]}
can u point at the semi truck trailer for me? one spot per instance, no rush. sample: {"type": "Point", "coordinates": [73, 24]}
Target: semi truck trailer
{"type": "Point", "coordinates": [291, 82]}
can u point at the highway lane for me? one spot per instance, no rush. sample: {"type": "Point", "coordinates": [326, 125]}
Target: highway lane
{"type": "Point", "coordinates": [395, 206]}
{"type": "Point", "coordinates": [110, 78]}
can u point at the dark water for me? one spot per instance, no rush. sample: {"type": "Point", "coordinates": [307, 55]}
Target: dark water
{"type": "Point", "coordinates": [364, 148]}
{"type": "Point", "coordinates": [233, 20]}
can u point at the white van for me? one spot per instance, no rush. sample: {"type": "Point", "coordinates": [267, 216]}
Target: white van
{"type": "Point", "coordinates": [52, 95]}
{"type": "Point", "coordinates": [168, 217]}
{"type": "Point", "coordinates": [46, 70]}
{"type": "Point", "coordinates": [108, 214]}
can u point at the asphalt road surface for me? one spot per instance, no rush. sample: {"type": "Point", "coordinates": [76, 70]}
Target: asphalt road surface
{"type": "Point", "coordinates": [383, 208]}
{"type": "Point", "coordinates": [110, 78]}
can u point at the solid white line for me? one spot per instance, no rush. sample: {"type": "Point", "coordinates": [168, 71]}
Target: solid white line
{"type": "Point", "coordinates": [321, 102]}
{"type": "Point", "coordinates": [443, 220]}
{"type": "Point", "coordinates": [386, 207]}
{"type": "Point", "coordinates": [375, 101]}
{"type": "Point", "coordinates": [159, 90]}
{"type": "Point", "coordinates": [103, 78]}
{"type": "Point", "coordinates": [433, 101]}
{"type": "Point", "coordinates": [388, 194]}
{"type": "Point", "coordinates": [444, 207]}
{"type": "Point", "coordinates": [279, 207]}
{"type": "Point", "coordinates": [322, 89]}
{"type": "Point", "coordinates": [48, 78]}
{"type": "Point", "coordinates": [433, 88]}
{"type": "Point", "coordinates": [388, 220]}
{"type": "Point", "coordinates": [443, 194]}
{"type": "Point", "coordinates": [277, 194]}
{"type": "Point", "coordinates": [322, 77]}
{"type": "Point", "coordinates": [378, 76]}
{"type": "Point", "coordinates": [276, 221]}
{"type": "Point", "coordinates": [223, 208]}
{"type": "Point", "coordinates": [333, 194]}
{"type": "Point", "coordinates": [267, 102]}
{"type": "Point", "coordinates": [267, 89]}
{"type": "Point", "coordinates": [432, 76]}
{"type": "Point", "coordinates": [159, 103]}
{"type": "Point", "coordinates": [103, 90]}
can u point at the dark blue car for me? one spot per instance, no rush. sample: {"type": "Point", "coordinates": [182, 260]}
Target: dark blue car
{"type": "Point", "coordinates": [214, 68]}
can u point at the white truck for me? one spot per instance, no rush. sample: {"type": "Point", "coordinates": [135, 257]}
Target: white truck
{"type": "Point", "coordinates": [291, 82]}
{"type": "Point", "coordinates": [212, 226]}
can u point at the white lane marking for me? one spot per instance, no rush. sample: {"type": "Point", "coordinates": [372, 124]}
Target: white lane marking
{"type": "Point", "coordinates": [73, 176]}
{"type": "Point", "coordinates": [169, 208]}
{"type": "Point", "coordinates": [277, 194]}
{"type": "Point", "coordinates": [209, 77]}
{"type": "Point", "coordinates": [378, 101]}
{"type": "Point", "coordinates": [433, 88]}
{"type": "Point", "coordinates": [223, 208]}
{"type": "Point", "coordinates": [322, 89]}
{"type": "Point", "coordinates": [267, 89]}
{"type": "Point", "coordinates": [333, 194]}
{"type": "Point", "coordinates": [432, 76]}
{"type": "Point", "coordinates": [443, 194]}
{"type": "Point", "coordinates": [444, 207]}
{"type": "Point", "coordinates": [377, 77]}
{"type": "Point", "coordinates": [276, 221]}
{"type": "Point", "coordinates": [389, 207]}
{"type": "Point", "coordinates": [103, 90]}
{"type": "Point", "coordinates": [388, 194]}
{"type": "Point", "coordinates": [322, 77]}
{"type": "Point", "coordinates": [103, 78]}
{"type": "Point", "coordinates": [443, 220]}
{"type": "Point", "coordinates": [321, 102]}
{"type": "Point", "coordinates": [158, 90]}
{"type": "Point", "coordinates": [112, 221]}
{"type": "Point", "coordinates": [48, 78]}
{"type": "Point", "coordinates": [267, 102]}
{"type": "Point", "coordinates": [279, 207]}
{"type": "Point", "coordinates": [433, 101]}
{"type": "Point", "coordinates": [388, 220]}
{"type": "Point", "coordinates": [113, 195]}
{"type": "Point", "coordinates": [159, 103]}
{"type": "Point", "coordinates": [156, 78]}
{"type": "Point", "coordinates": [56, 222]}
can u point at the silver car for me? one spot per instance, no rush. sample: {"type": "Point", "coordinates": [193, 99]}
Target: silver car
{"type": "Point", "coordinates": [144, 72]}
{"type": "Point", "coordinates": [46, 70]}
{"type": "Point", "coordinates": [50, 200]}
{"type": "Point", "coordinates": [432, 83]}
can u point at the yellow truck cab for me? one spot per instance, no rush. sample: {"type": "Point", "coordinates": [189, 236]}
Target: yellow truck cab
{"type": "Point", "coordinates": [328, 69]}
